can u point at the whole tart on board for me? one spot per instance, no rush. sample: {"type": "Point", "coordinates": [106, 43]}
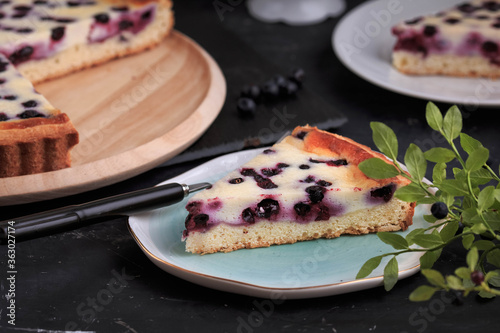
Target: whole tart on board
{"type": "Point", "coordinates": [305, 187]}
{"type": "Point", "coordinates": [461, 41]}
{"type": "Point", "coordinates": [46, 39]}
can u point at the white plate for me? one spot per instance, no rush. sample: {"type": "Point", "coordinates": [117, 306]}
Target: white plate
{"type": "Point", "coordinates": [363, 42]}
{"type": "Point", "coordinates": [303, 270]}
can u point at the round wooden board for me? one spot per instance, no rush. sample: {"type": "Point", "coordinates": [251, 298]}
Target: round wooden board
{"type": "Point", "coordinates": [132, 114]}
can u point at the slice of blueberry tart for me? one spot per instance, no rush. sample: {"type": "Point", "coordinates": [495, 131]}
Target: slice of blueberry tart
{"type": "Point", "coordinates": [34, 136]}
{"type": "Point", "coordinates": [45, 39]}
{"type": "Point", "coordinates": [307, 186]}
{"type": "Point", "coordinates": [460, 41]}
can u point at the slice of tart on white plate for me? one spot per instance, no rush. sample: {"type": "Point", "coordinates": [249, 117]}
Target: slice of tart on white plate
{"type": "Point", "coordinates": [307, 186]}
{"type": "Point", "coordinates": [461, 41]}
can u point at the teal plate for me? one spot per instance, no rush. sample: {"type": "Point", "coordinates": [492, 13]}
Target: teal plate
{"type": "Point", "coordinates": [302, 270]}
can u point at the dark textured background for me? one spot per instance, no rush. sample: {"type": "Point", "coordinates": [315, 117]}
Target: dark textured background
{"type": "Point", "coordinates": [57, 275]}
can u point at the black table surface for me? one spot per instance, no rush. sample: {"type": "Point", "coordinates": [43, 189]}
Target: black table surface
{"type": "Point", "coordinates": [63, 281]}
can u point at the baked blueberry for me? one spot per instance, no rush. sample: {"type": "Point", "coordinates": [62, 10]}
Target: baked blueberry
{"type": "Point", "coordinates": [267, 207]}
{"type": "Point", "coordinates": [57, 33]}
{"type": "Point", "coordinates": [302, 209]}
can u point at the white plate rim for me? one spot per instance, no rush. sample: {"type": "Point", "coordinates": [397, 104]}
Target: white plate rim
{"type": "Point", "coordinates": [345, 27]}
{"type": "Point", "coordinates": [251, 289]}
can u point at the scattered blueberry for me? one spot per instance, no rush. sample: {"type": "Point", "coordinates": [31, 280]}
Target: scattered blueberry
{"type": "Point", "coordinates": [10, 97]}
{"type": "Point", "coordinates": [267, 207]}
{"type": "Point", "coordinates": [282, 165]}
{"type": "Point", "coordinates": [3, 117]}
{"type": "Point", "coordinates": [246, 106]}
{"type": "Point", "coordinates": [269, 151]}
{"type": "Point", "coordinates": [439, 210]}
{"type": "Point", "coordinates": [297, 75]}
{"type": "Point", "coordinates": [251, 91]}
{"type": "Point", "coordinates": [271, 90]}
{"type": "Point", "coordinates": [477, 277]}
{"type": "Point", "coordinates": [40, 2]}
{"type": "Point", "coordinates": [304, 167]}
{"type": "Point", "coordinates": [302, 209]}
{"type": "Point", "coordinates": [289, 89]}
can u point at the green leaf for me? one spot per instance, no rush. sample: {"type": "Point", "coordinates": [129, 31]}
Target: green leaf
{"type": "Point", "coordinates": [452, 123]}
{"type": "Point", "coordinates": [430, 218]}
{"type": "Point", "coordinates": [449, 231]}
{"type": "Point", "coordinates": [486, 198]}
{"type": "Point", "coordinates": [368, 267]}
{"type": "Point", "coordinates": [454, 187]}
{"type": "Point", "coordinates": [439, 155]}
{"type": "Point", "coordinates": [463, 272]}
{"type": "Point", "coordinates": [454, 282]}
{"type": "Point", "coordinates": [427, 240]}
{"type": "Point", "coordinates": [495, 280]}
{"type": "Point", "coordinates": [483, 244]}
{"type": "Point", "coordinates": [490, 275]}
{"type": "Point", "coordinates": [467, 241]}
{"type": "Point", "coordinates": [472, 258]}
{"type": "Point", "coordinates": [434, 117]}
{"type": "Point", "coordinates": [439, 173]}
{"type": "Point", "coordinates": [493, 257]}
{"type": "Point", "coordinates": [385, 139]}
{"type": "Point", "coordinates": [422, 293]}
{"type": "Point", "coordinates": [486, 294]}
{"type": "Point", "coordinates": [478, 228]}
{"type": "Point", "coordinates": [415, 162]}
{"type": "Point", "coordinates": [477, 159]}
{"type": "Point", "coordinates": [396, 241]}
{"type": "Point", "coordinates": [480, 177]}
{"type": "Point", "coordinates": [378, 169]}
{"type": "Point", "coordinates": [434, 277]}
{"type": "Point", "coordinates": [468, 143]}
{"type": "Point", "coordinates": [411, 234]}
{"type": "Point", "coordinates": [410, 193]}
{"type": "Point", "coordinates": [429, 258]}
{"type": "Point", "coordinates": [391, 274]}
{"type": "Point", "coordinates": [496, 193]}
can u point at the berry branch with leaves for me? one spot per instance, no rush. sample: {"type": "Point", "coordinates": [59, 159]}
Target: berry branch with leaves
{"type": "Point", "coordinates": [465, 206]}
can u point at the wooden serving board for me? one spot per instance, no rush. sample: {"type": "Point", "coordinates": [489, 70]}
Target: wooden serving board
{"type": "Point", "coordinates": [132, 114]}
